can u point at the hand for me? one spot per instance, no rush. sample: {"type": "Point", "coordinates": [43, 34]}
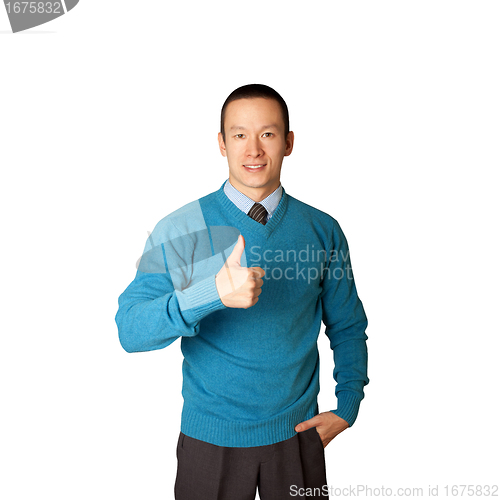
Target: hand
{"type": "Point", "coordinates": [239, 286]}
{"type": "Point", "coordinates": [327, 424]}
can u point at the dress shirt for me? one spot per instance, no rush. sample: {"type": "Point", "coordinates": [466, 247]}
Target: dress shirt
{"type": "Point", "coordinates": [244, 203]}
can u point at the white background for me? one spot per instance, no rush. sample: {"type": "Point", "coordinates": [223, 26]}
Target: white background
{"type": "Point", "coordinates": [108, 122]}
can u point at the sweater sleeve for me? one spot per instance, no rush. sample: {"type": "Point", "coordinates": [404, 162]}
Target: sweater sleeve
{"type": "Point", "coordinates": [165, 300]}
{"type": "Point", "coordinates": [346, 322]}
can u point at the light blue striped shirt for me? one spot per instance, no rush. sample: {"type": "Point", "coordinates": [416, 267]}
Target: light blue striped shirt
{"type": "Point", "coordinates": [244, 203]}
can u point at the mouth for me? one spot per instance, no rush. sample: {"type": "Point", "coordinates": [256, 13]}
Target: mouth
{"type": "Point", "coordinates": [254, 168]}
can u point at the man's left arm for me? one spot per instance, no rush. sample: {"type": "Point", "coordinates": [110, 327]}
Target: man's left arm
{"type": "Point", "coordinates": [346, 323]}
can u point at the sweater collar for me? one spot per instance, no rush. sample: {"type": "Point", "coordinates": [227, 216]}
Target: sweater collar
{"type": "Point", "coordinates": [252, 225]}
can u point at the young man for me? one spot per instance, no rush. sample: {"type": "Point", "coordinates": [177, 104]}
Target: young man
{"type": "Point", "coordinates": [244, 276]}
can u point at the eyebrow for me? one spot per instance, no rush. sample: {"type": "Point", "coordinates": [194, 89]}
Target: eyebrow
{"type": "Point", "coordinates": [240, 127]}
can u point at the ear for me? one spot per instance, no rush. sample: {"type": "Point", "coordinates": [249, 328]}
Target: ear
{"type": "Point", "coordinates": [222, 146]}
{"type": "Point", "coordinates": [289, 143]}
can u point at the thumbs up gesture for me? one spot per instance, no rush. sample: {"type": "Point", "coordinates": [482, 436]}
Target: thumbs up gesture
{"type": "Point", "coordinates": [239, 286]}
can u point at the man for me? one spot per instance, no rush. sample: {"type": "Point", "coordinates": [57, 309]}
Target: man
{"type": "Point", "coordinates": [249, 332]}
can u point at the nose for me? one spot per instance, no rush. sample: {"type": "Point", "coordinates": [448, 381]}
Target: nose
{"type": "Point", "coordinates": [254, 147]}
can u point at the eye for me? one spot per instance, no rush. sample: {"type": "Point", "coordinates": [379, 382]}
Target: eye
{"type": "Point", "coordinates": [269, 134]}
{"type": "Point", "coordinates": [238, 136]}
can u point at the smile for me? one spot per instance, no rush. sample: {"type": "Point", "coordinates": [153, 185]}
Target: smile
{"type": "Point", "coordinates": [255, 167]}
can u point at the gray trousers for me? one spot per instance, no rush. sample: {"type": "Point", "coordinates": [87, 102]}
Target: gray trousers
{"type": "Point", "coordinates": [279, 471]}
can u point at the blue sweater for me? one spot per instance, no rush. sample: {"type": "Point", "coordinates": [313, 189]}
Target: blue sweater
{"type": "Point", "coordinates": [249, 375]}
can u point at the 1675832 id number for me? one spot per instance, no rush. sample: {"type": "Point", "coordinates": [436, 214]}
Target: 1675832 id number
{"type": "Point", "coordinates": [471, 490]}
{"type": "Point", "coordinates": [34, 8]}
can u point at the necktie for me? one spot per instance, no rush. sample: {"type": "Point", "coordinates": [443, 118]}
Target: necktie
{"type": "Point", "coordinates": [258, 213]}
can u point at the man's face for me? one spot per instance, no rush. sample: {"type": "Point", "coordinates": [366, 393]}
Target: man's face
{"type": "Point", "coordinates": [255, 145]}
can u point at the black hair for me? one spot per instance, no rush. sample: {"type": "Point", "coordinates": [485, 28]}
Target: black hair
{"type": "Point", "coordinates": [253, 91]}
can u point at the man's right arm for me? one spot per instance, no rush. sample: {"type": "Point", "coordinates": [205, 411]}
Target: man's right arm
{"type": "Point", "coordinates": [153, 313]}
{"type": "Point", "coordinates": [150, 316]}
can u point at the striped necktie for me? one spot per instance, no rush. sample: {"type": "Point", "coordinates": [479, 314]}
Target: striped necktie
{"type": "Point", "coordinates": [258, 213]}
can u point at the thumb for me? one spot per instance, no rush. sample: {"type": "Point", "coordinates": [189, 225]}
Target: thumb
{"type": "Point", "coordinates": [237, 252]}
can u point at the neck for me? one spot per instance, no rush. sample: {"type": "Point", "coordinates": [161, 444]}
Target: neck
{"type": "Point", "coordinates": [256, 194]}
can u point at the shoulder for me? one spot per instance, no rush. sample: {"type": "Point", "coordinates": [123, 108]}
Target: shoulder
{"type": "Point", "coordinates": [322, 223]}
{"type": "Point", "coordinates": [313, 215]}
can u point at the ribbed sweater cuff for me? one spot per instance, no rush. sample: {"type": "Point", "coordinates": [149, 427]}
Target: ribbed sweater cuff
{"type": "Point", "coordinates": [347, 406]}
{"type": "Point", "coordinates": [199, 300]}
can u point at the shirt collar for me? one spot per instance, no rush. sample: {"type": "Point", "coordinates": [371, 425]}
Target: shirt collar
{"type": "Point", "coordinates": [244, 203]}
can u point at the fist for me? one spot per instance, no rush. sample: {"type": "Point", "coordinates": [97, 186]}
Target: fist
{"type": "Point", "coordinates": [239, 286]}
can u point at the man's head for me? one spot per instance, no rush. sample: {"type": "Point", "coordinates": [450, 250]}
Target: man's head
{"type": "Point", "coordinates": [255, 132]}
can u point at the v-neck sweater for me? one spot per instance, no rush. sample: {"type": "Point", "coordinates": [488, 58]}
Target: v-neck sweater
{"type": "Point", "coordinates": [249, 375]}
